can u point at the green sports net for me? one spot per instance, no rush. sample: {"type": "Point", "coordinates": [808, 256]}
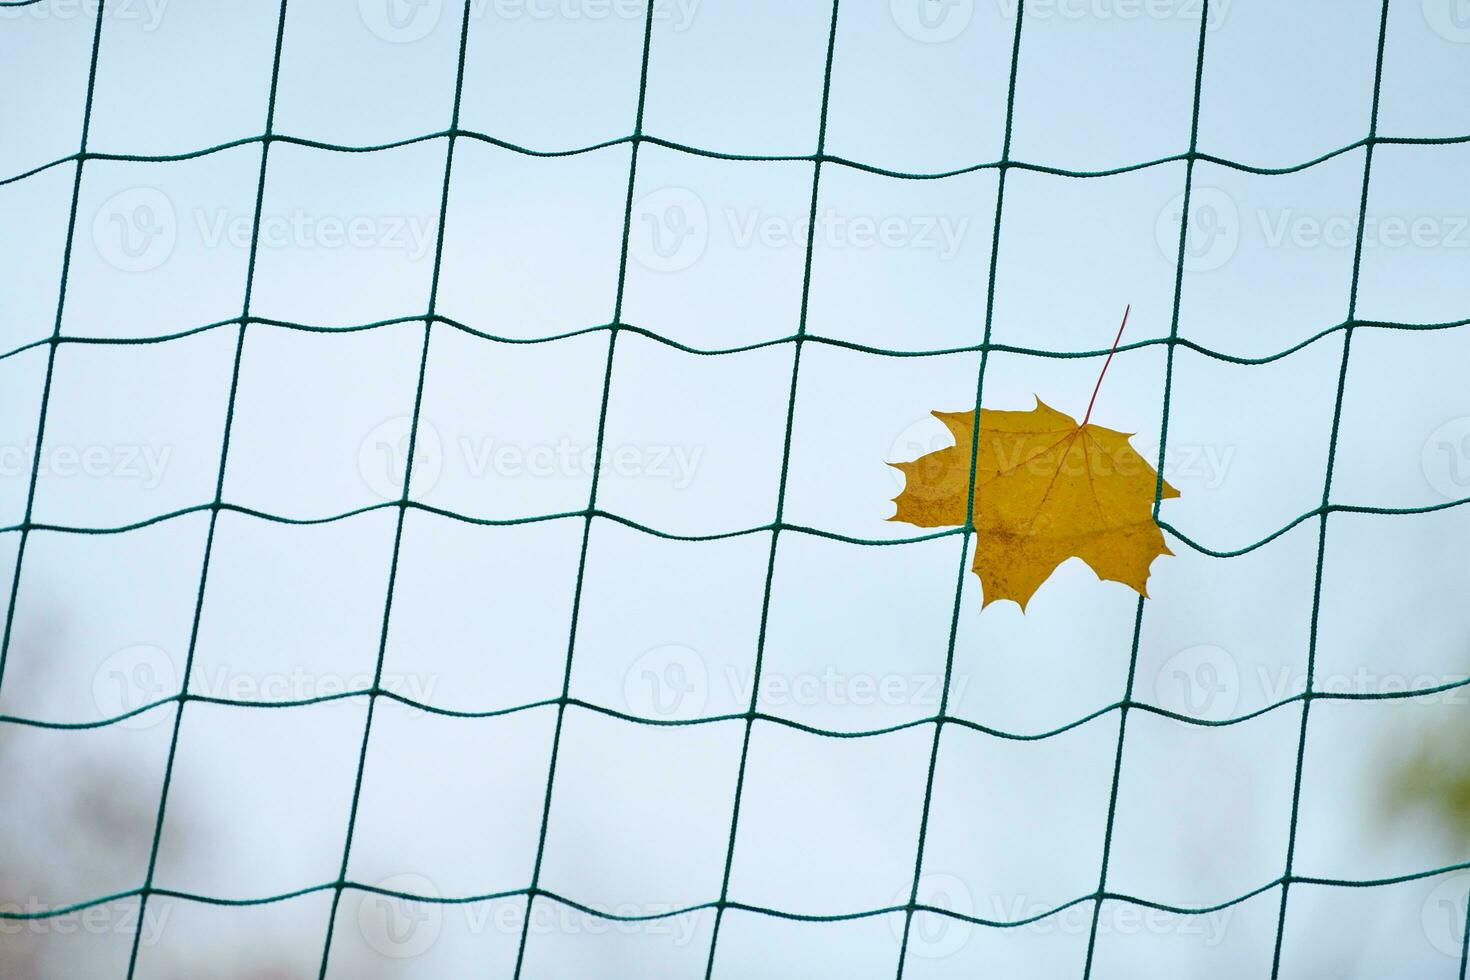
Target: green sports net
{"type": "Point", "coordinates": [432, 319]}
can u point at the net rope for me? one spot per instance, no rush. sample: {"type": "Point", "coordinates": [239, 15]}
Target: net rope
{"type": "Point", "coordinates": [615, 327]}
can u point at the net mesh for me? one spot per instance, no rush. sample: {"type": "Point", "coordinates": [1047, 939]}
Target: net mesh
{"type": "Point", "coordinates": [615, 327]}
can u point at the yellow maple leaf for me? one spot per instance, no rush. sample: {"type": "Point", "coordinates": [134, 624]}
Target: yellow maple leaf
{"type": "Point", "coordinates": [1046, 489]}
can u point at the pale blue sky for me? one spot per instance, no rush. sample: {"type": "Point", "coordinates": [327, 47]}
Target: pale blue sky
{"type": "Point", "coordinates": [856, 636]}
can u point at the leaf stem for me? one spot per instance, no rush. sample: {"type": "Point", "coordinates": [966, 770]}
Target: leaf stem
{"type": "Point", "coordinates": [1111, 352]}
